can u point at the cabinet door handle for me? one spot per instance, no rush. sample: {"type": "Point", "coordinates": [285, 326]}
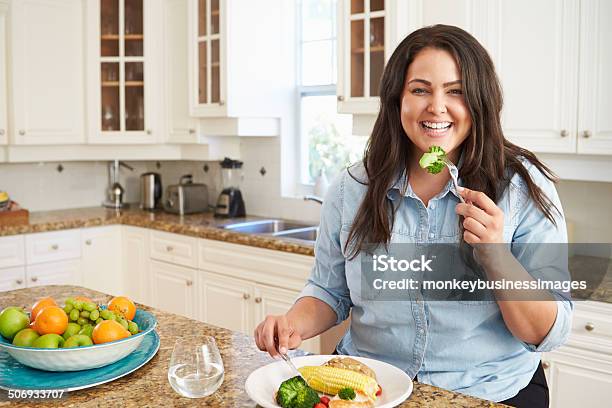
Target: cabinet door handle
{"type": "Point", "coordinates": [246, 296]}
{"type": "Point", "coordinates": [545, 365]}
{"type": "Point", "coordinates": [19, 281]}
{"type": "Point", "coordinates": [169, 248]}
{"type": "Point", "coordinates": [34, 279]}
{"type": "Point", "coordinates": [149, 131]}
{"type": "Point", "coordinates": [257, 300]}
{"type": "Point", "coordinates": [586, 134]}
{"type": "Point", "coordinates": [589, 326]}
{"type": "Point", "coordinates": [564, 133]}
{"type": "Point", "coordinates": [221, 103]}
{"type": "Point", "coordinates": [1, 132]}
{"type": "Point", "coordinates": [189, 283]}
{"type": "Point", "coordinates": [21, 132]}
{"type": "Point", "coordinates": [340, 98]}
{"type": "Point", "coordinates": [191, 131]}
{"type": "Point", "coordinates": [54, 247]}
{"type": "Point", "coordinates": [88, 242]}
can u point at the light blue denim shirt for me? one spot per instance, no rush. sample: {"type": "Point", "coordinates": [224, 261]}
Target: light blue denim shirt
{"type": "Point", "coordinates": [462, 346]}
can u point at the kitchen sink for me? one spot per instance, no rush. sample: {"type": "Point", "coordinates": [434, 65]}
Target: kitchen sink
{"type": "Point", "coordinates": [264, 226]}
{"type": "Point", "coordinates": [304, 234]}
{"type": "Point", "coordinates": [277, 228]}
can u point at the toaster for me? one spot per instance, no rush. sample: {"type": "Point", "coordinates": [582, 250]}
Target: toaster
{"type": "Point", "coordinates": [186, 197]}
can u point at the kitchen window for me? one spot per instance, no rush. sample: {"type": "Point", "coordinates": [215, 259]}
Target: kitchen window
{"type": "Point", "coordinates": [326, 141]}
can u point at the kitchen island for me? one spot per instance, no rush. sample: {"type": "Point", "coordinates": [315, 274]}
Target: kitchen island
{"type": "Point", "coordinates": [149, 387]}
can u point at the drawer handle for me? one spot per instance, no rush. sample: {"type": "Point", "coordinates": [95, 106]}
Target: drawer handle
{"type": "Point", "coordinates": [257, 300]}
{"type": "Point", "coordinates": [19, 281]}
{"type": "Point", "coordinates": [246, 296]}
{"type": "Point", "coordinates": [169, 248]}
{"type": "Point", "coordinates": [589, 326]}
{"type": "Point", "coordinates": [54, 247]}
{"type": "Point", "coordinates": [88, 242]}
{"type": "Point", "coordinates": [34, 279]}
{"type": "Point", "coordinates": [189, 282]}
{"type": "Point", "coordinates": [545, 365]}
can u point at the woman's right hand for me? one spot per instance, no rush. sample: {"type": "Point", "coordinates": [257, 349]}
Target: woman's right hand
{"type": "Point", "coordinates": [277, 333]}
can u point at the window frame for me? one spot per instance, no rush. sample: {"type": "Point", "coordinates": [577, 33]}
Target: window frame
{"type": "Point", "coordinates": [304, 187]}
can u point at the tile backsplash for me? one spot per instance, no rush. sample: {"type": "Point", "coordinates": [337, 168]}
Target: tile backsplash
{"type": "Point", "coordinates": [40, 186]}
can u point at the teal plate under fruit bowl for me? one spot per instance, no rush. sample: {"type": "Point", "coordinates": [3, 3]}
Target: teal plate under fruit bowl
{"type": "Point", "coordinates": [14, 375]}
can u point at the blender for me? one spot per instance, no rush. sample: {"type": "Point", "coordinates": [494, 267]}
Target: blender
{"type": "Point", "coordinates": [230, 203]}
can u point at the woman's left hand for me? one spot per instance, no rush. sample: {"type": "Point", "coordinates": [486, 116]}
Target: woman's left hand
{"type": "Point", "coordinates": [483, 220]}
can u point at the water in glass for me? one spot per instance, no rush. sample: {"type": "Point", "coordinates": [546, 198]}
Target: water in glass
{"type": "Point", "coordinates": [196, 369]}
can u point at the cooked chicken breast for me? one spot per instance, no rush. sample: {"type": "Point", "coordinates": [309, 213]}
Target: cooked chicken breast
{"type": "Point", "coordinates": [351, 364]}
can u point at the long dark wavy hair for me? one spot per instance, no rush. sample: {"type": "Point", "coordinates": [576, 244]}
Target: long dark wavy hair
{"type": "Point", "coordinates": [488, 157]}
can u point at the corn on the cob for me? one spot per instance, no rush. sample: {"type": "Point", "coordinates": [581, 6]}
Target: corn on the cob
{"type": "Point", "coordinates": [330, 380]}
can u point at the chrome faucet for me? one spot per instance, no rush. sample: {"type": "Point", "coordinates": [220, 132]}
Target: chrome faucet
{"type": "Point", "coordinates": [313, 198]}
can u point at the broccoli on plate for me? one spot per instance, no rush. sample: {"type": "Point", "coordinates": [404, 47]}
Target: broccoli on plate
{"type": "Point", "coordinates": [295, 393]}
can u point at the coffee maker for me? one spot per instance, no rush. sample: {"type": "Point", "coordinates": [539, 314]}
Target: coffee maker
{"type": "Point", "coordinates": [230, 203]}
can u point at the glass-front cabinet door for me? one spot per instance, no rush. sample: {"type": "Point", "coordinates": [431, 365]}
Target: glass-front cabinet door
{"type": "Point", "coordinates": [122, 69]}
{"type": "Point", "coordinates": [362, 32]}
{"type": "Point", "coordinates": [206, 57]}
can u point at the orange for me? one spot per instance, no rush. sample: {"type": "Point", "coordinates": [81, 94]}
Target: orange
{"type": "Point", "coordinates": [108, 330]}
{"type": "Point", "coordinates": [124, 306]}
{"type": "Point", "coordinates": [83, 299]}
{"type": "Point", "coordinates": [52, 319]}
{"type": "Point", "coordinates": [40, 305]}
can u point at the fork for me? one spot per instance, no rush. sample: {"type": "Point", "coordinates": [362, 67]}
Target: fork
{"type": "Point", "coordinates": [287, 359]}
{"type": "Point", "coordinates": [452, 169]}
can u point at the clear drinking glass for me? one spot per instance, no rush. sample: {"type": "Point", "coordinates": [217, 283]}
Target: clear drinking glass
{"type": "Point", "coordinates": [196, 369]}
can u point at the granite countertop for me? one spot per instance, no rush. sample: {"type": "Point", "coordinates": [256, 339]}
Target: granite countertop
{"type": "Point", "coordinates": [149, 387]}
{"type": "Point", "coordinates": [203, 225]}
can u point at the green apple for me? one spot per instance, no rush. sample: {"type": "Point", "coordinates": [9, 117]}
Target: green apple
{"type": "Point", "coordinates": [25, 337]}
{"type": "Point", "coordinates": [71, 330]}
{"type": "Point", "coordinates": [50, 340]}
{"type": "Point", "coordinates": [12, 320]}
{"type": "Point", "coordinates": [78, 340]}
{"type": "Point", "coordinates": [86, 330]}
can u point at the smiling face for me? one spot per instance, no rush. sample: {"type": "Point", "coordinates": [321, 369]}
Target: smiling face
{"type": "Point", "coordinates": [434, 111]}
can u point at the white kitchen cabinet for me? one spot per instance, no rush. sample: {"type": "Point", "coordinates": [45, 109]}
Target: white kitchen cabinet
{"type": "Point", "coordinates": [174, 248]}
{"type": "Point", "coordinates": [12, 251]}
{"type": "Point", "coordinates": [181, 127]}
{"type": "Point", "coordinates": [3, 69]}
{"type": "Point", "coordinates": [101, 251]}
{"type": "Point", "coordinates": [595, 82]}
{"type": "Point", "coordinates": [172, 288]}
{"type": "Point", "coordinates": [541, 96]}
{"type": "Point", "coordinates": [52, 246]}
{"type": "Point", "coordinates": [135, 267]}
{"type": "Point", "coordinates": [237, 65]}
{"type": "Point", "coordinates": [12, 278]}
{"type": "Point", "coordinates": [123, 71]}
{"type": "Point", "coordinates": [54, 273]}
{"type": "Point", "coordinates": [226, 302]}
{"type": "Point", "coordinates": [580, 372]}
{"type": "Point", "coordinates": [368, 32]}
{"type": "Point", "coordinates": [46, 57]}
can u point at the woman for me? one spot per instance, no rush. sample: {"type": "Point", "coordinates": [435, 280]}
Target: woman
{"type": "Point", "coordinates": [438, 88]}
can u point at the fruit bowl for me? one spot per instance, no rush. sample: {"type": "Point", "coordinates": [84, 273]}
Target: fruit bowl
{"type": "Point", "coordinates": [81, 358]}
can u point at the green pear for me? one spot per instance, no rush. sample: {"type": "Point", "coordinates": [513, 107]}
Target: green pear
{"type": "Point", "coordinates": [51, 341]}
{"type": "Point", "coordinates": [78, 340]}
{"type": "Point", "coordinates": [12, 320]}
{"type": "Point", "coordinates": [72, 329]}
{"type": "Point", "coordinates": [25, 337]}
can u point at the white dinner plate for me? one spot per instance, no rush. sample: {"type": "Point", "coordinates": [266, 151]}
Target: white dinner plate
{"type": "Point", "coordinates": [262, 383]}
